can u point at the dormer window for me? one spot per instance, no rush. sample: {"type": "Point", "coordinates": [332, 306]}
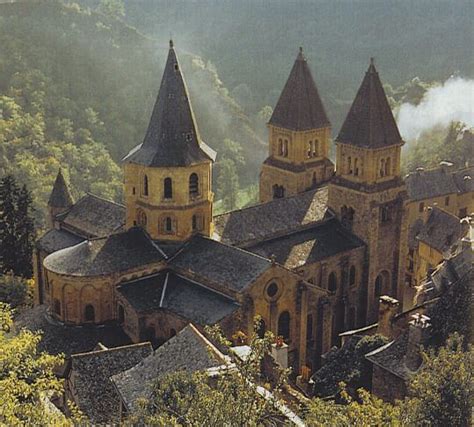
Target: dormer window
{"type": "Point", "coordinates": [189, 137]}
{"type": "Point", "coordinates": [176, 67]}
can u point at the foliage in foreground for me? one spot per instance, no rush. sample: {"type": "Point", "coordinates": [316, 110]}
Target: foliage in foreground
{"type": "Point", "coordinates": [27, 379]}
{"type": "Point", "coordinates": [227, 399]}
{"type": "Point", "coordinates": [347, 365]}
{"type": "Point", "coordinates": [442, 393]}
{"type": "Point", "coordinates": [17, 231]}
{"type": "Point", "coordinates": [15, 290]}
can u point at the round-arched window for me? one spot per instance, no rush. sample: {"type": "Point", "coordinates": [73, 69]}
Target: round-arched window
{"type": "Point", "coordinates": [284, 325]}
{"type": "Point", "coordinates": [332, 282]}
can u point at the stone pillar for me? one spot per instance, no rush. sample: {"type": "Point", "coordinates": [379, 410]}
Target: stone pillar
{"type": "Point", "coordinates": [327, 326]}
{"type": "Point", "coordinates": [302, 307]}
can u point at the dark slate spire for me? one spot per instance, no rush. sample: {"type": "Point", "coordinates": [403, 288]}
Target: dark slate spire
{"type": "Point", "coordinates": [60, 195]}
{"type": "Point", "coordinates": [172, 138]}
{"type": "Point", "coordinates": [370, 121]}
{"type": "Point", "coordinates": [299, 106]}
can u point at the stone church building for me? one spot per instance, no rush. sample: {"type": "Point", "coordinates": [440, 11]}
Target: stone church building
{"type": "Point", "coordinates": [312, 259]}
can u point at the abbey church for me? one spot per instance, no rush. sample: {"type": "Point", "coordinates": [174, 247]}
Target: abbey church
{"type": "Point", "coordinates": [311, 259]}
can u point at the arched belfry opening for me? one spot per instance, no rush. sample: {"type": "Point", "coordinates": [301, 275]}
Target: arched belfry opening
{"type": "Point", "coordinates": [169, 175]}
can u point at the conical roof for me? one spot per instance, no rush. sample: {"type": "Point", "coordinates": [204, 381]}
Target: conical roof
{"type": "Point", "coordinates": [172, 138]}
{"type": "Point", "coordinates": [60, 195]}
{"type": "Point", "coordinates": [300, 107]}
{"type": "Point", "coordinates": [370, 121]}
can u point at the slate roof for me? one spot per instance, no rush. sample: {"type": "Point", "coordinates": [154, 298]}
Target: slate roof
{"type": "Point", "coordinates": [426, 184]}
{"type": "Point", "coordinates": [309, 245]}
{"type": "Point", "coordinates": [55, 240]}
{"type": "Point", "coordinates": [442, 231]}
{"type": "Point", "coordinates": [299, 106]}
{"type": "Point", "coordinates": [93, 216]}
{"type": "Point", "coordinates": [271, 219]}
{"type": "Point", "coordinates": [187, 351]}
{"type": "Point", "coordinates": [95, 393]}
{"type": "Point", "coordinates": [187, 299]}
{"type": "Point", "coordinates": [272, 161]}
{"type": "Point", "coordinates": [370, 122]}
{"type": "Point", "coordinates": [464, 180]}
{"type": "Point", "coordinates": [59, 338]}
{"type": "Point", "coordinates": [458, 267]}
{"type": "Point", "coordinates": [60, 195]}
{"type": "Point", "coordinates": [105, 255]}
{"type": "Point", "coordinates": [214, 262]}
{"type": "Point", "coordinates": [391, 357]}
{"type": "Point", "coordinates": [172, 138]}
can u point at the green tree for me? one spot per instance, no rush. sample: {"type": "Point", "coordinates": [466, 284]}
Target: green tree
{"type": "Point", "coordinates": [26, 378]}
{"type": "Point", "coordinates": [230, 399]}
{"type": "Point", "coordinates": [366, 410]}
{"type": "Point", "coordinates": [227, 183]}
{"type": "Point", "coordinates": [9, 192]}
{"type": "Point", "coordinates": [453, 312]}
{"type": "Point", "coordinates": [347, 365]}
{"type": "Point", "coordinates": [442, 393]}
{"type": "Point", "coordinates": [16, 228]}
{"type": "Point", "coordinates": [15, 291]}
{"type": "Point", "coordinates": [233, 151]}
{"type": "Point", "coordinates": [26, 234]}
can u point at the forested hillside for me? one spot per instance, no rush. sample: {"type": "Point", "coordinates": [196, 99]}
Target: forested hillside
{"type": "Point", "coordinates": [253, 43]}
{"type": "Point", "coordinates": [77, 82]}
{"type": "Point", "coordinates": [76, 90]}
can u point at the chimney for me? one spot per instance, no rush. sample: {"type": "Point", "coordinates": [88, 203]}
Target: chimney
{"type": "Point", "coordinates": [426, 214]}
{"type": "Point", "coordinates": [468, 240]}
{"type": "Point", "coordinates": [280, 353]}
{"type": "Point", "coordinates": [388, 308]}
{"type": "Point", "coordinates": [446, 166]}
{"type": "Point", "coordinates": [418, 329]}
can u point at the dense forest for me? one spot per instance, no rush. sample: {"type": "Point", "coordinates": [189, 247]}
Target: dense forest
{"type": "Point", "coordinates": [78, 79]}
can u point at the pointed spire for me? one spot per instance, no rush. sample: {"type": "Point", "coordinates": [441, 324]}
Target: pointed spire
{"type": "Point", "coordinates": [60, 195]}
{"type": "Point", "coordinates": [370, 122]}
{"type": "Point", "coordinates": [299, 106]}
{"type": "Point", "coordinates": [172, 138]}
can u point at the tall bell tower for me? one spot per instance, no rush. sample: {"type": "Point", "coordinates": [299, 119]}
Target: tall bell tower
{"type": "Point", "coordinates": [168, 177]}
{"type": "Point", "coordinates": [299, 133]}
{"type": "Point", "coordinates": [368, 194]}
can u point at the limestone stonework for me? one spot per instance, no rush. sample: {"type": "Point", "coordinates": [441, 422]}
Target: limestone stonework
{"type": "Point", "coordinates": [170, 203]}
{"type": "Point", "coordinates": [311, 260]}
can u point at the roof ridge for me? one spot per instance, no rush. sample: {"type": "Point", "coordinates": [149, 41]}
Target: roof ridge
{"type": "Point", "coordinates": [175, 273]}
{"type": "Point", "coordinates": [101, 198]}
{"type": "Point", "coordinates": [213, 348]}
{"type": "Point", "coordinates": [235, 247]}
{"type": "Point", "coordinates": [123, 347]}
{"type": "Point", "coordinates": [275, 201]}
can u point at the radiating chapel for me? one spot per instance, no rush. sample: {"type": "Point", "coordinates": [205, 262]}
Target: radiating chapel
{"type": "Point", "coordinates": [312, 259]}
